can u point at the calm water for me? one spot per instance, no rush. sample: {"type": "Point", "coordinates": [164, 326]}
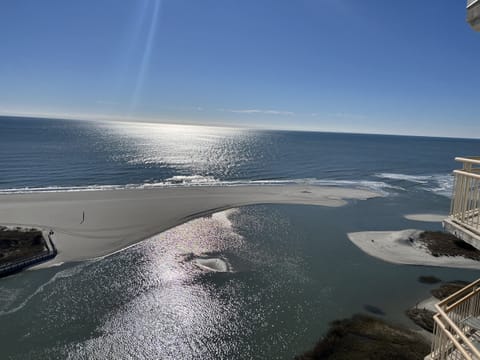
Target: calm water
{"type": "Point", "coordinates": [293, 268]}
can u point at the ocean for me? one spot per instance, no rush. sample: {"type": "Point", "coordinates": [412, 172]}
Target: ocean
{"type": "Point", "coordinates": [293, 268]}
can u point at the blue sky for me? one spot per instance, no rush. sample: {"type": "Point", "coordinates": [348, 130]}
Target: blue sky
{"type": "Point", "coordinates": [401, 67]}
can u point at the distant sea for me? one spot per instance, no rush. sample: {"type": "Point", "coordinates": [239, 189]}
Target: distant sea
{"type": "Point", "coordinates": [293, 267]}
{"type": "Point", "coordinates": [62, 155]}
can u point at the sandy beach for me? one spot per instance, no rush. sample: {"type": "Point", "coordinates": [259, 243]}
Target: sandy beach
{"type": "Point", "coordinates": [116, 219]}
{"type": "Point", "coordinates": [398, 248]}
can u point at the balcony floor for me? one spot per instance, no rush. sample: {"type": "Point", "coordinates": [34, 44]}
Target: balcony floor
{"type": "Point", "coordinates": [465, 232]}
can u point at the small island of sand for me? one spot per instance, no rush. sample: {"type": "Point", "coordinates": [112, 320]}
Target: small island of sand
{"type": "Point", "coordinates": [417, 247]}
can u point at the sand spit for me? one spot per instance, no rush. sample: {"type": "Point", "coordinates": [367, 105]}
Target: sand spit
{"type": "Point", "coordinates": [425, 217]}
{"type": "Point", "coordinates": [93, 224]}
{"type": "Point", "coordinates": [402, 247]}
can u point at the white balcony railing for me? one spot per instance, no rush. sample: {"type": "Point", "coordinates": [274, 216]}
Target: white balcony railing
{"type": "Point", "coordinates": [465, 206]}
{"type": "Point", "coordinates": [457, 326]}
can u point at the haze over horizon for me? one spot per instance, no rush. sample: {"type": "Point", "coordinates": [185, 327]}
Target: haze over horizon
{"type": "Point", "coordinates": [310, 65]}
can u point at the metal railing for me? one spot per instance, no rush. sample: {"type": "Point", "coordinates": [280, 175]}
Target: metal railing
{"type": "Point", "coordinates": [470, 3]}
{"type": "Point", "coordinates": [465, 206]}
{"type": "Point", "coordinates": [454, 337]}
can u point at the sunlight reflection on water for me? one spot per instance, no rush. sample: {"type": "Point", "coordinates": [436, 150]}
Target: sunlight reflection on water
{"type": "Point", "coordinates": [152, 301]}
{"type": "Point", "coordinates": [200, 149]}
{"type": "Point", "coordinates": [180, 313]}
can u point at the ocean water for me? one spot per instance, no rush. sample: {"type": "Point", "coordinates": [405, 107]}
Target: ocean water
{"type": "Point", "coordinates": [292, 268]}
{"type": "Point", "coordinates": [42, 154]}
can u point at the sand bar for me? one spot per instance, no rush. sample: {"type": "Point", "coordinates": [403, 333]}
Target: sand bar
{"type": "Point", "coordinates": [116, 219]}
{"type": "Point", "coordinates": [426, 217]}
{"type": "Point", "coordinates": [400, 247]}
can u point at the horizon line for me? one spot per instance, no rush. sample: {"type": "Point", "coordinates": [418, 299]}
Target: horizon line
{"type": "Point", "coordinates": [153, 121]}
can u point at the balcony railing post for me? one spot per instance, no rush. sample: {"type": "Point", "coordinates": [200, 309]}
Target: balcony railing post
{"type": "Point", "coordinates": [477, 205]}
{"type": "Point", "coordinates": [452, 204]}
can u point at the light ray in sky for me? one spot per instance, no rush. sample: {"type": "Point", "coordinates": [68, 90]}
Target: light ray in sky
{"type": "Point", "coordinates": [146, 54]}
{"type": "Point", "coordinates": [126, 56]}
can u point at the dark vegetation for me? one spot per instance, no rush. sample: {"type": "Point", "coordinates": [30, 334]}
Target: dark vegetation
{"type": "Point", "coordinates": [18, 244]}
{"type": "Point", "coordinates": [447, 289]}
{"type": "Point", "coordinates": [363, 337]}
{"type": "Point", "coordinates": [421, 317]}
{"type": "Point", "coordinates": [443, 244]}
{"type": "Point", "coordinates": [424, 317]}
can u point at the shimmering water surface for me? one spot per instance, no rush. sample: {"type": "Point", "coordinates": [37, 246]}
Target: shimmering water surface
{"type": "Point", "coordinates": [42, 154]}
{"type": "Point", "coordinates": [288, 269]}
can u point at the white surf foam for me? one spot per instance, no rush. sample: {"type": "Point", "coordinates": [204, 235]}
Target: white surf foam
{"type": "Point", "coordinates": [191, 180]}
{"type": "Point", "coordinates": [421, 179]}
{"type": "Point", "coordinates": [444, 185]}
{"type": "Point", "coordinates": [198, 180]}
{"type": "Point", "coordinates": [441, 184]}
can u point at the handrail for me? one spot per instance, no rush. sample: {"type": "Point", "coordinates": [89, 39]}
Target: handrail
{"type": "Point", "coordinates": [466, 173]}
{"type": "Point", "coordinates": [448, 308]}
{"type": "Point", "coordinates": [470, 160]}
{"type": "Point", "coordinates": [458, 346]}
{"type": "Point", "coordinates": [449, 303]}
{"type": "Point", "coordinates": [455, 294]}
{"type": "Point", "coordinates": [459, 333]}
{"type": "Point", "coordinates": [471, 3]}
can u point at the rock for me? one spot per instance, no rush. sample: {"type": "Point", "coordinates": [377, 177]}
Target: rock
{"type": "Point", "coordinates": [363, 337]}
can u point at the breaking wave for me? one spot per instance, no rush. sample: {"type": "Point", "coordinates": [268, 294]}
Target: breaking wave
{"type": "Point", "coordinates": [441, 184]}
{"type": "Point", "coordinates": [198, 180]}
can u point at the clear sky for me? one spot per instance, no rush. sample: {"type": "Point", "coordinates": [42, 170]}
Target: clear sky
{"type": "Point", "coordinates": [401, 67]}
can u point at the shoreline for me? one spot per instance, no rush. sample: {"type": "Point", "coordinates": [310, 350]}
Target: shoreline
{"type": "Point", "coordinates": [93, 224]}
